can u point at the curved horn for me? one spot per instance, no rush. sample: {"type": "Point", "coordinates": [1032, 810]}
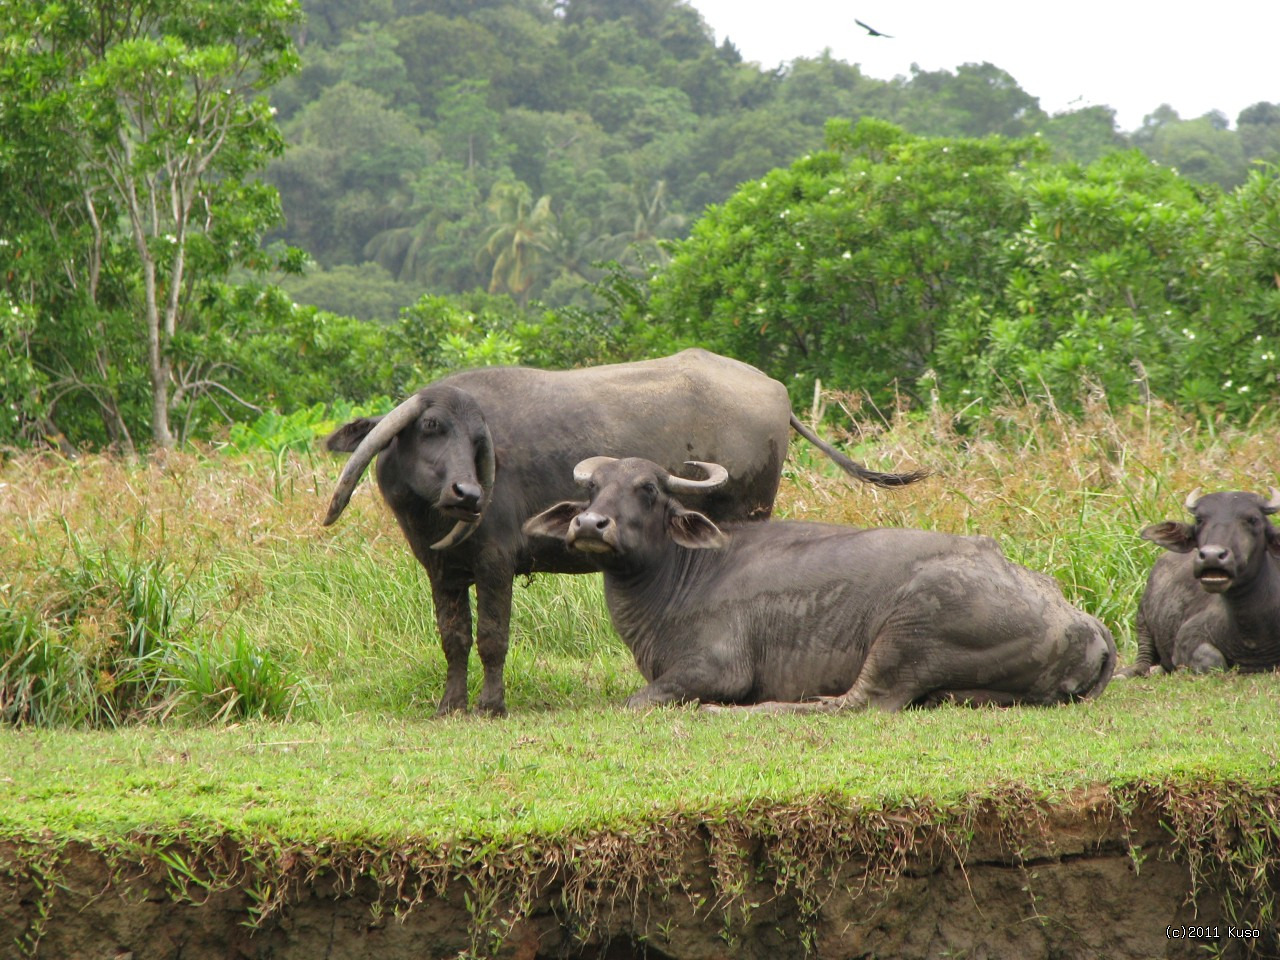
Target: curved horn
{"type": "Point", "coordinates": [487, 467]}
{"type": "Point", "coordinates": [461, 530]}
{"type": "Point", "coordinates": [372, 444]}
{"type": "Point", "coordinates": [717, 477]}
{"type": "Point", "coordinates": [585, 468]}
{"type": "Point", "coordinates": [1192, 499]}
{"type": "Point", "coordinates": [1272, 505]}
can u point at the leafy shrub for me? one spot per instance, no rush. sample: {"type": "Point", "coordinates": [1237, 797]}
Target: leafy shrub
{"type": "Point", "coordinates": [278, 433]}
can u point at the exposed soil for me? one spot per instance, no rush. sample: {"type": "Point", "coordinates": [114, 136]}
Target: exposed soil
{"type": "Point", "coordinates": [1071, 880]}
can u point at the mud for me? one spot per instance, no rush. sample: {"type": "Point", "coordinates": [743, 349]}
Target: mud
{"type": "Point", "coordinates": [1071, 881]}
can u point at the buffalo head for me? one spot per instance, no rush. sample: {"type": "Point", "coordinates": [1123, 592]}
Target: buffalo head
{"type": "Point", "coordinates": [632, 510]}
{"type": "Point", "coordinates": [441, 452]}
{"type": "Point", "coordinates": [1229, 540]}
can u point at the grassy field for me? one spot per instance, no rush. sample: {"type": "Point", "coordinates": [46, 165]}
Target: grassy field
{"type": "Point", "coordinates": [186, 653]}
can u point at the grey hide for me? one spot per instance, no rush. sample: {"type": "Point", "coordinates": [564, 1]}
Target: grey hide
{"type": "Point", "coordinates": [772, 614]}
{"type": "Point", "coordinates": [465, 461]}
{"type": "Point", "coordinates": [1213, 601]}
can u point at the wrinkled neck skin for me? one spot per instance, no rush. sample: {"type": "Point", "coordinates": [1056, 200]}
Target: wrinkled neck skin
{"type": "Point", "coordinates": [646, 598]}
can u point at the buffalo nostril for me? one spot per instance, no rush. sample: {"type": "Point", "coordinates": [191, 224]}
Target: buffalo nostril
{"type": "Point", "coordinates": [601, 522]}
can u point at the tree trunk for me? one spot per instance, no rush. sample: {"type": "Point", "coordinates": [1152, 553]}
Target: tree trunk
{"type": "Point", "coordinates": [157, 363]}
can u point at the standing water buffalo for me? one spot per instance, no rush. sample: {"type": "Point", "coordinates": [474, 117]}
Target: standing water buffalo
{"type": "Point", "coordinates": [465, 461]}
{"type": "Point", "coordinates": [1214, 601]}
{"type": "Point", "coordinates": [785, 611]}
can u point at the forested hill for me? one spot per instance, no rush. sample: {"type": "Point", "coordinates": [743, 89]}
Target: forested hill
{"type": "Point", "coordinates": [510, 144]}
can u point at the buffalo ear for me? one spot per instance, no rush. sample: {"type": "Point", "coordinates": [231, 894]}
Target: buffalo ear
{"type": "Point", "coordinates": [1178, 537]}
{"type": "Point", "coordinates": [1273, 540]}
{"type": "Point", "coordinates": [694, 530]}
{"type": "Point", "coordinates": [348, 436]}
{"type": "Point", "coordinates": [554, 521]}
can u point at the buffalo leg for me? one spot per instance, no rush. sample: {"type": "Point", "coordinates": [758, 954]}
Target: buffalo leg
{"type": "Point", "coordinates": [899, 672]}
{"type": "Point", "coordinates": [1148, 659]}
{"type": "Point", "coordinates": [708, 679]}
{"type": "Point", "coordinates": [1206, 658]}
{"type": "Point", "coordinates": [453, 619]}
{"type": "Point", "coordinates": [1195, 645]}
{"type": "Point", "coordinates": [668, 690]}
{"type": "Point", "coordinates": [493, 630]}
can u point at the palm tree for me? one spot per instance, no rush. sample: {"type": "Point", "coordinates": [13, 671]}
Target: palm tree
{"type": "Point", "coordinates": [522, 235]}
{"type": "Point", "coordinates": [645, 207]}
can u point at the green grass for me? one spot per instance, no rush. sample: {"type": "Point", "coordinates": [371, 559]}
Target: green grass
{"type": "Point", "coordinates": [544, 774]}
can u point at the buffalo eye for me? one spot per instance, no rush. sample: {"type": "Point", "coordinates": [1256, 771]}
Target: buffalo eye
{"type": "Point", "coordinates": [650, 490]}
{"type": "Point", "coordinates": [430, 425]}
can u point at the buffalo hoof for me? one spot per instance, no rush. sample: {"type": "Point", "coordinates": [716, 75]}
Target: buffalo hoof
{"type": "Point", "coordinates": [1133, 671]}
{"type": "Point", "coordinates": [448, 708]}
{"type": "Point", "coordinates": [498, 709]}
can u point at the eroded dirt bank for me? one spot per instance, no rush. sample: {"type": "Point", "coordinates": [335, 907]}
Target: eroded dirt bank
{"type": "Point", "coordinates": [1099, 875]}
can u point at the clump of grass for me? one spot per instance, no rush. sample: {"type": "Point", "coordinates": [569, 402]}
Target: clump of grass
{"type": "Point", "coordinates": [230, 678]}
{"type": "Point", "coordinates": [101, 637]}
{"type": "Point", "coordinates": [91, 648]}
{"type": "Point", "coordinates": [39, 683]}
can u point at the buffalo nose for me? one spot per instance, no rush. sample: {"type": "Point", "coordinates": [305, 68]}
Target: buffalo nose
{"type": "Point", "coordinates": [468, 494]}
{"type": "Point", "coordinates": [590, 522]}
{"type": "Point", "coordinates": [1213, 554]}
{"type": "Point", "coordinates": [590, 525]}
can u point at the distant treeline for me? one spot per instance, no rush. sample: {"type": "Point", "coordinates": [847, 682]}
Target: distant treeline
{"type": "Point", "coordinates": [511, 145]}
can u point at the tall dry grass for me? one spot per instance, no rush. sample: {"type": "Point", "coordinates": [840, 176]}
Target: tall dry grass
{"type": "Point", "coordinates": [248, 606]}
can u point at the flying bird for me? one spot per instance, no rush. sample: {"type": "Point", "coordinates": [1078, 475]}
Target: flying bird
{"type": "Point", "coordinates": [872, 30]}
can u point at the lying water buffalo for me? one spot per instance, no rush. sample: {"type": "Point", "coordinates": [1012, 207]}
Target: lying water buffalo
{"type": "Point", "coordinates": [1214, 600]}
{"type": "Point", "coordinates": [786, 611]}
{"type": "Point", "coordinates": [465, 461]}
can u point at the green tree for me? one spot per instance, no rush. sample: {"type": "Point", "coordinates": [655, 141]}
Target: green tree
{"type": "Point", "coordinates": [66, 293]}
{"type": "Point", "coordinates": [364, 292]}
{"type": "Point", "coordinates": [978, 99]}
{"type": "Point", "coordinates": [520, 239]}
{"type": "Point", "coordinates": [467, 128]}
{"type": "Point", "coordinates": [349, 174]}
{"type": "Point", "coordinates": [440, 52]}
{"type": "Point", "coordinates": [1096, 290]}
{"type": "Point", "coordinates": [1232, 361]}
{"type": "Point", "coordinates": [160, 110]}
{"type": "Point", "coordinates": [1203, 149]}
{"type": "Point", "coordinates": [847, 265]}
{"type": "Point", "coordinates": [1259, 128]}
{"type": "Point", "coordinates": [1084, 135]}
{"type": "Point", "coordinates": [368, 59]}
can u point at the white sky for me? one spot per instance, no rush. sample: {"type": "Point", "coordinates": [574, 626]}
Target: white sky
{"type": "Point", "coordinates": [1132, 55]}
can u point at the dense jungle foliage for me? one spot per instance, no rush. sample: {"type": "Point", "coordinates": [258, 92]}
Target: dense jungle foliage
{"type": "Point", "coordinates": [216, 213]}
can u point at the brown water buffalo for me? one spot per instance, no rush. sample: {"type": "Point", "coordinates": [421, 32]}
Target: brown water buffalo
{"type": "Point", "coordinates": [1213, 601]}
{"type": "Point", "coordinates": [763, 613]}
{"type": "Point", "coordinates": [465, 461]}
